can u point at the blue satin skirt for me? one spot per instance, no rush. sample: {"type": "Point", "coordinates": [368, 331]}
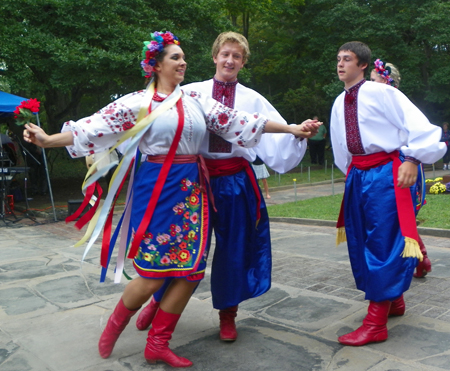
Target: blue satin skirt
{"type": "Point", "coordinates": [176, 241]}
{"type": "Point", "coordinates": [373, 233]}
{"type": "Point", "coordinates": [242, 263]}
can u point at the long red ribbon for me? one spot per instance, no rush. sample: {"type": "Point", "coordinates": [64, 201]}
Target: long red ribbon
{"type": "Point", "coordinates": [162, 176]}
{"type": "Point", "coordinates": [88, 215]}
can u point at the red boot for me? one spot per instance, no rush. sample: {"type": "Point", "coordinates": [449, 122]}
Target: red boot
{"type": "Point", "coordinates": [397, 307]}
{"type": "Point", "coordinates": [227, 326]}
{"type": "Point", "coordinates": [425, 265]}
{"type": "Point", "coordinates": [373, 329]}
{"type": "Point", "coordinates": [157, 348]}
{"type": "Point", "coordinates": [116, 324]}
{"type": "Point", "coordinates": [145, 318]}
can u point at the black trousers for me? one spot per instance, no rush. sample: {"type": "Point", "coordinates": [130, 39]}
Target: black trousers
{"type": "Point", "coordinates": [317, 151]}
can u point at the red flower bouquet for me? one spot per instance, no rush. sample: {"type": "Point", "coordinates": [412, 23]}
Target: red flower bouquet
{"type": "Point", "coordinates": [25, 112]}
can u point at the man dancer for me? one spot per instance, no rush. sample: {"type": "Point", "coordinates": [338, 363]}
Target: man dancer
{"type": "Point", "coordinates": [242, 263]}
{"type": "Point", "coordinates": [370, 124]}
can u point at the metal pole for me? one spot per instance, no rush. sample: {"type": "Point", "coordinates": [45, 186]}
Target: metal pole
{"type": "Point", "coordinates": [332, 179]}
{"type": "Point", "coordinates": [325, 166]}
{"type": "Point", "coordinates": [48, 176]}
{"type": "Point", "coordinates": [295, 189]}
{"type": "Point", "coordinates": [309, 174]}
{"type": "Point", "coordinates": [434, 173]}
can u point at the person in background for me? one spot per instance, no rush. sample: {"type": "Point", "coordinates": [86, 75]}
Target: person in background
{"type": "Point", "coordinates": [317, 144]}
{"type": "Point", "coordinates": [261, 173]}
{"type": "Point", "coordinates": [389, 74]}
{"type": "Point", "coordinates": [377, 216]}
{"type": "Point", "coordinates": [446, 138]}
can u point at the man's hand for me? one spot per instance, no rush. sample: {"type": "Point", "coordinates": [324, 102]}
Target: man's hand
{"type": "Point", "coordinates": [407, 174]}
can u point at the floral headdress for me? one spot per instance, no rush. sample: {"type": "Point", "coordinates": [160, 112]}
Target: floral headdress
{"type": "Point", "coordinates": [385, 73]}
{"type": "Point", "coordinates": [152, 48]}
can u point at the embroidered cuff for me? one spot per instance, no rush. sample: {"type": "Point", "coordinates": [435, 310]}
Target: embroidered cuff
{"type": "Point", "coordinates": [412, 159]}
{"type": "Point", "coordinates": [264, 126]}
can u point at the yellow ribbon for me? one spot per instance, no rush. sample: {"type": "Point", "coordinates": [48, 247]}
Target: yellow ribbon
{"type": "Point", "coordinates": [144, 120]}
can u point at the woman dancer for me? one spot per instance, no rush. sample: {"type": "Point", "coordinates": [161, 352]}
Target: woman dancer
{"type": "Point", "coordinates": [168, 126]}
{"type": "Point", "coordinates": [261, 173]}
{"type": "Point", "coordinates": [446, 138]}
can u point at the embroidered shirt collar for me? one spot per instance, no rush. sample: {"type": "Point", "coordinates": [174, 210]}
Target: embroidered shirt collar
{"type": "Point", "coordinates": [225, 84]}
{"type": "Point", "coordinates": [224, 92]}
{"type": "Point", "coordinates": [355, 87]}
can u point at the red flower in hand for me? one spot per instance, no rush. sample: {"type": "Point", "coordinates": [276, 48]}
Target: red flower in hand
{"type": "Point", "coordinates": [24, 113]}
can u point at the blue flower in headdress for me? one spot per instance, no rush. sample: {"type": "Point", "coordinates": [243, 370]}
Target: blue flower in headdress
{"type": "Point", "coordinates": [157, 37]}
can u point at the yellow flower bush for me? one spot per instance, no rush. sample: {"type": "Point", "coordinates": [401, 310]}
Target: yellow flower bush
{"type": "Point", "coordinates": [434, 180]}
{"type": "Point", "coordinates": [437, 188]}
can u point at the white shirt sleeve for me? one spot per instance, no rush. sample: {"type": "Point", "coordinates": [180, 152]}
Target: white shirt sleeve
{"type": "Point", "coordinates": [104, 128]}
{"type": "Point", "coordinates": [281, 152]}
{"type": "Point", "coordinates": [241, 128]}
{"type": "Point", "coordinates": [423, 138]}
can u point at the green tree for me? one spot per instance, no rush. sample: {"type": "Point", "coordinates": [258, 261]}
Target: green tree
{"type": "Point", "coordinates": [295, 51]}
{"type": "Point", "coordinates": [76, 56]}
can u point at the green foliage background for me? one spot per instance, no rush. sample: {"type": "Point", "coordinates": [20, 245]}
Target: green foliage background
{"type": "Point", "coordinates": [77, 56]}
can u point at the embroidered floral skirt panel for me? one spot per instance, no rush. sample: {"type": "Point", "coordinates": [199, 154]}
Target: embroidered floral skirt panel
{"type": "Point", "coordinates": [374, 238]}
{"type": "Point", "coordinates": [242, 263]}
{"type": "Point", "coordinates": [176, 241]}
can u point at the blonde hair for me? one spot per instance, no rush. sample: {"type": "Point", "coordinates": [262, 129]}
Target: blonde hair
{"type": "Point", "coordinates": [231, 37]}
{"type": "Point", "coordinates": [395, 74]}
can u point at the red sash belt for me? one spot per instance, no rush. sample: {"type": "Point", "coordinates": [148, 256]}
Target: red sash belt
{"type": "Point", "coordinates": [189, 159]}
{"type": "Point", "coordinates": [405, 208]}
{"type": "Point", "coordinates": [186, 159]}
{"type": "Point", "coordinates": [234, 165]}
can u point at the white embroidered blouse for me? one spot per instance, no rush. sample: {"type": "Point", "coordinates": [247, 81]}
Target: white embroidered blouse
{"type": "Point", "coordinates": [104, 129]}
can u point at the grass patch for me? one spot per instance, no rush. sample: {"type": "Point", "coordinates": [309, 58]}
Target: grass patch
{"type": "Point", "coordinates": [435, 214]}
{"type": "Point", "coordinates": [300, 173]}
{"type": "Point", "coordinates": [301, 177]}
{"type": "Point", "coordinates": [323, 208]}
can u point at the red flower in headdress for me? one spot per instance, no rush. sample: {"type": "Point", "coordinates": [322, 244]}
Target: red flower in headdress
{"type": "Point", "coordinates": [168, 38]}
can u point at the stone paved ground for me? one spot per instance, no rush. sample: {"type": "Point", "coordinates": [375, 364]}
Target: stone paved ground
{"type": "Point", "coordinates": [52, 311]}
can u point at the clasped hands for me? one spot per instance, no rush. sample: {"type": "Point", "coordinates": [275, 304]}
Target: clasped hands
{"type": "Point", "coordinates": [306, 129]}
